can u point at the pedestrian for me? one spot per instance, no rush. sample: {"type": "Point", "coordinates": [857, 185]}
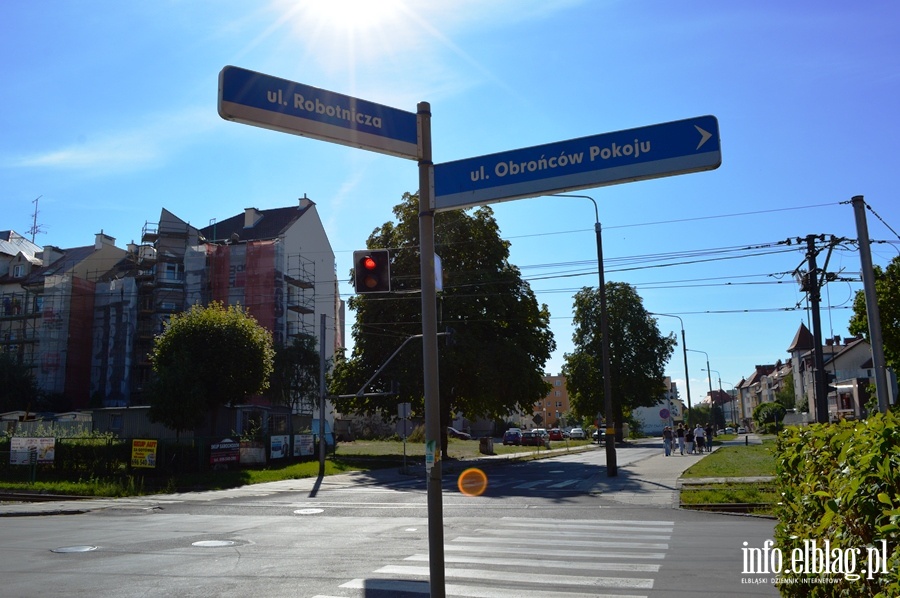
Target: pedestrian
{"type": "Point", "coordinates": [679, 433]}
{"type": "Point", "coordinates": [667, 440]}
{"type": "Point", "coordinates": [709, 437]}
{"type": "Point", "coordinates": [689, 440]}
{"type": "Point", "coordinates": [700, 438]}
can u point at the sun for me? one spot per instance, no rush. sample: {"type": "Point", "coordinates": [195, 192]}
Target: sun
{"type": "Point", "coordinates": [350, 16]}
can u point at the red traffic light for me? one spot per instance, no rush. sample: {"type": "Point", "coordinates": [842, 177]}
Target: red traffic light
{"type": "Point", "coordinates": [372, 271]}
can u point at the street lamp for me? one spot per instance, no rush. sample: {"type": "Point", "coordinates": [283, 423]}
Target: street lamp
{"type": "Point", "coordinates": [611, 468]}
{"type": "Point", "coordinates": [687, 377]}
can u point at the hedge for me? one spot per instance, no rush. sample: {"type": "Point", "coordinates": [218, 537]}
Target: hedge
{"type": "Point", "coordinates": [840, 483]}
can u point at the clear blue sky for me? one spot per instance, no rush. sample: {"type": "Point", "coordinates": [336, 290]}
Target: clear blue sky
{"type": "Point", "coordinates": [108, 113]}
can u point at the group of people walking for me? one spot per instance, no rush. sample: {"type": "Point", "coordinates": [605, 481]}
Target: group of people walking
{"type": "Point", "coordinates": [690, 440]}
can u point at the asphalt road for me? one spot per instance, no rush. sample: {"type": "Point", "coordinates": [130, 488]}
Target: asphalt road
{"type": "Point", "coordinates": [554, 528]}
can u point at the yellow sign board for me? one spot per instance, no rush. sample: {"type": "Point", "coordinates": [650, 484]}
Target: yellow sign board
{"type": "Point", "coordinates": [143, 453]}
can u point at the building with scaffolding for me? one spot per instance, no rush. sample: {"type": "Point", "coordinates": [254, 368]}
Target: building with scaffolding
{"type": "Point", "coordinates": [47, 299]}
{"type": "Point", "coordinates": [85, 318]}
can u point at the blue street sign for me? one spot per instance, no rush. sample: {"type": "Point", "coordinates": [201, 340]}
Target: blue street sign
{"type": "Point", "coordinates": [272, 103]}
{"type": "Point", "coordinates": [666, 149]}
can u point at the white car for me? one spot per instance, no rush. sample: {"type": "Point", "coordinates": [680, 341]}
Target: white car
{"type": "Point", "coordinates": [577, 434]}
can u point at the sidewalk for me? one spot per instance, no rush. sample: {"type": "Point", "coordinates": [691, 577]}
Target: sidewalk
{"type": "Point", "coordinates": [653, 480]}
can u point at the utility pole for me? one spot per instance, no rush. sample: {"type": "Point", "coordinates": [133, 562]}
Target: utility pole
{"type": "Point", "coordinates": [872, 313]}
{"type": "Point", "coordinates": [812, 287]}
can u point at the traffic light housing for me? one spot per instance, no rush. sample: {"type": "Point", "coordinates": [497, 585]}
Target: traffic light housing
{"type": "Point", "coordinates": [829, 383]}
{"type": "Point", "coordinates": [372, 271]}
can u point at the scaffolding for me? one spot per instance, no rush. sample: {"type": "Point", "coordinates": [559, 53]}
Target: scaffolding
{"type": "Point", "coordinates": [300, 298]}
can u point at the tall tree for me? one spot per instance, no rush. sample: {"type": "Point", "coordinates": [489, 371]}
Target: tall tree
{"type": "Point", "coordinates": [638, 354]}
{"type": "Point", "coordinates": [18, 387]}
{"type": "Point", "coordinates": [887, 292]}
{"type": "Point", "coordinates": [205, 358]}
{"type": "Point", "coordinates": [295, 375]}
{"type": "Point", "coordinates": [493, 361]}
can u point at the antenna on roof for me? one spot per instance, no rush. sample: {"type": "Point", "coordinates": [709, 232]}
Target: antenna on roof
{"type": "Point", "coordinates": [35, 227]}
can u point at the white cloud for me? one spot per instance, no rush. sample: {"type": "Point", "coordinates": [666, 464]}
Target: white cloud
{"type": "Point", "coordinates": [145, 146]}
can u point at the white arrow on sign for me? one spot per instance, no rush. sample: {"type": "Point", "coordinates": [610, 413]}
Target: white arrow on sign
{"type": "Point", "coordinates": [704, 136]}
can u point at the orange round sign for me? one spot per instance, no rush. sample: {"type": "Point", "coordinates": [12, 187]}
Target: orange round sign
{"type": "Point", "coordinates": [472, 482]}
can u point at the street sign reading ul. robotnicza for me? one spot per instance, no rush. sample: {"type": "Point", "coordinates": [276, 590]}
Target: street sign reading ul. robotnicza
{"type": "Point", "coordinates": [255, 99]}
{"type": "Point", "coordinates": [655, 151]}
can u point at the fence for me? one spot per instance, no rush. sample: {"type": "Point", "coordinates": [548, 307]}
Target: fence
{"type": "Point", "coordinates": [93, 457]}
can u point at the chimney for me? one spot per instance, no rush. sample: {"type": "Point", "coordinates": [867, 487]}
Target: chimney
{"type": "Point", "coordinates": [251, 217]}
{"type": "Point", "coordinates": [50, 254]}
{"type": "Point", "coordinates": [101, 239]}
{"type": "Point", "coordinates": [304, 202]}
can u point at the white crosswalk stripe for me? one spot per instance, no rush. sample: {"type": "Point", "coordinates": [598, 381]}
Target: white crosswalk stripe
{"type": "Point", "coordinates": [594, 558]}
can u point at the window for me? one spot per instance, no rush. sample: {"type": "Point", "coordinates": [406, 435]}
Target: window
{"type": "Point", "coordinates": [116, 422]}
{"type": "Point", "coordinates": [18, 270]}
{"type": "Point", "coordinates": [557, 383]}
{"type": "Point", "coordinates": [172, 272]}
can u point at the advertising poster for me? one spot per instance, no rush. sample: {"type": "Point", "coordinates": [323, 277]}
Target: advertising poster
{"type": "Point", "coordinates": [303, 445]}
{"type": "Point", "coordinates": [279, 447]}
{"type": "Point", "coordinates": [225, 451]}
{"type": "Point", "coordinates": [143, 453]}
{"type": "Point", "coordinates": [21, 450]}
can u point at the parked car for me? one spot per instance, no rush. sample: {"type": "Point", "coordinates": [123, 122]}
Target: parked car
{"type": "Point", "coordinates": [454, 433]}
{"type": "Point", "coordinates": [577, 434]}
{"type": "Point", "coordinates": [533, 438]}
{"type": "Point", "coordinates": [742, 430]}
{"type": "Point", "coordinates": [512, 436]}
{"type": "Point", "coordinates": [556, 434]}
{"type": "Point", "coordinates": [542, 433]}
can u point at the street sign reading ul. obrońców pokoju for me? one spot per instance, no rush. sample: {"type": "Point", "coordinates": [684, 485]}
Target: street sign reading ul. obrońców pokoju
{"type": "Point", "coordinates": [666, 149]}
{"type": "Point", "coordinates": [253, 98]}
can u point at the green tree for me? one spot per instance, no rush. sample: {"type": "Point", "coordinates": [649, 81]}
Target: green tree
{"type": "Point", "coordinates": [638, 354]}
{"type": "Point", "coordinates": [295, 375]}
{"type": "Point", "coordinates": [493, 361]}
{"type": "Point", "coordinates": [18, 388]}
{"type": "Point", "coordinates": [785, 394]}
{"type": "Point", "coordinates": [887, 292]}
{"type": "Point", "coordinates": [205, 358]}
{"type": "Point", "coordinates": [769, 413]}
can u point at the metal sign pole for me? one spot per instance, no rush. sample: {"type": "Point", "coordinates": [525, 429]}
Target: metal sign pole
{"type": "Point", "coordinates": [430, 356]}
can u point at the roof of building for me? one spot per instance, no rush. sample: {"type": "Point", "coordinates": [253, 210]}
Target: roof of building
{"type": "Point", "coordinates": [70, 258]}
{"type": "Point", "coordinates": [270, 224]}
{"type": "Point", "coordinates": [758, 372]}
{"type": "Point", "coordinates": [12, 243]}
{"type": "Point", "coordinates": [803, 340]}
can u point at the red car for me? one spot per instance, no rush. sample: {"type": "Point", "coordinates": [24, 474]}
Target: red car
{"type": "Point", "coordinates": [556, 434]}
{"type": "Point", "coordinates": [534, 439]}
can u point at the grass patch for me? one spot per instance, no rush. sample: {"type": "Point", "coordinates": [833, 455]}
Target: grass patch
{"type": "Point", "coordinates": [736, 461]}
{"type": "Point", "coordinates": [729, 493]}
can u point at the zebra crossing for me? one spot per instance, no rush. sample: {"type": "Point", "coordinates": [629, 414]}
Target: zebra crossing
{"type": "Point", "coordinates": [586, 558]}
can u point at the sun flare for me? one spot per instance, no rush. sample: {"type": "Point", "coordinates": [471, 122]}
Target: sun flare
{"type": "Point", "coordinates": [358, 16]}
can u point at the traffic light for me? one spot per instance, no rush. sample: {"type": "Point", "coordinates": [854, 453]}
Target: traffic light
{"type": "Point", "coordinates": [372, 271]}
{"type": "Point", "coordinates": [829, 383]}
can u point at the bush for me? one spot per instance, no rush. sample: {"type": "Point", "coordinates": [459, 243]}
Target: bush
{"type": "Point", "coordinates": [841, 483]}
